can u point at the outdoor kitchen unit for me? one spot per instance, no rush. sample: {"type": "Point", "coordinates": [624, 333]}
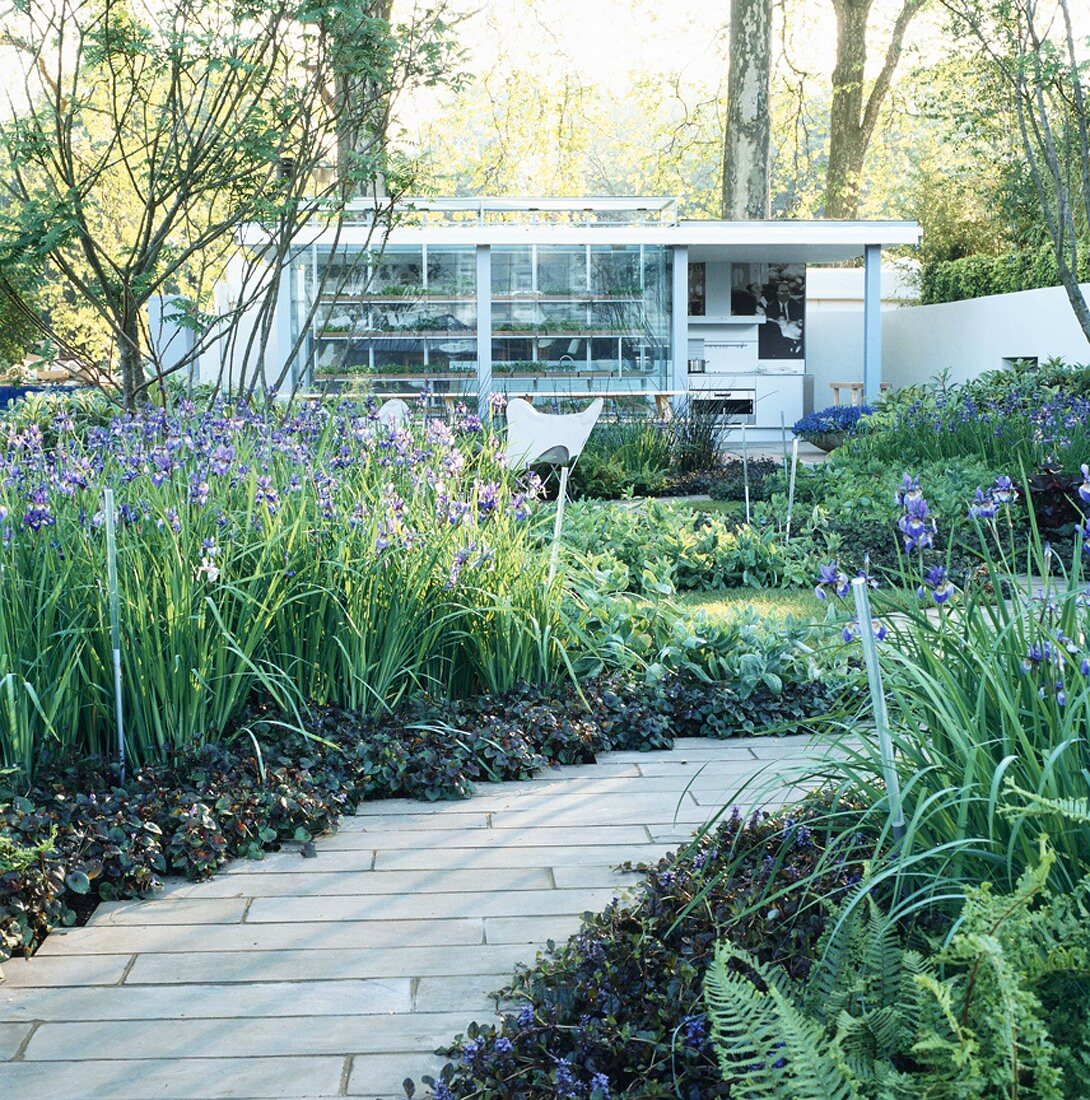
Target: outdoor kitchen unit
{"type": "Point", "coordinates": [746, 342]}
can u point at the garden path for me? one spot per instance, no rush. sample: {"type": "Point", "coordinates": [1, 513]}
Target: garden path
{"type": "Point", "coordinates": [339, 975]}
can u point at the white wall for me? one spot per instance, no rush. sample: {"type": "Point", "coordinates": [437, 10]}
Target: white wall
{"type": "Point", "coordinates": [968, 338]}
{"type": "Point", "coordinates": [834, 322]}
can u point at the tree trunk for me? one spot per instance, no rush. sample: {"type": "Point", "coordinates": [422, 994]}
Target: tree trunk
{"type": "Point", "coordinates": [133, 389]}
{"type": "Point", "coordinates": [746, 143]}
{"type": "Point", "coordinates": [362, 106]}
{"type": "Point", "coordinates": [846, 148]}
{"type": "Point", "coordinates": [853, 115]}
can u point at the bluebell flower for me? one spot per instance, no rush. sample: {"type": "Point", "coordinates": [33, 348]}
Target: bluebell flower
{"type": "Point", "coordinates": [695, 1031]}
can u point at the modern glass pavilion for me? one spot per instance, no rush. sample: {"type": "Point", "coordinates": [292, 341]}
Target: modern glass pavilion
{"type": "Point", "coordinates": [568, 298]}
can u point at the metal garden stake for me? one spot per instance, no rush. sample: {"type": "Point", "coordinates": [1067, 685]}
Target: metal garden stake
{"type": "Point", "coordinates": [745, 470]}
{"type": "Point", "coordinates": [558, 525]}
{"type": "Point", "coordinates": [783, 440]}
{"type": "Point", "coordinates": [115, 625]}
{"type": "Point", "coordinates": [878, 702]}
{"type": "Point", "coordinates": [791, 485]}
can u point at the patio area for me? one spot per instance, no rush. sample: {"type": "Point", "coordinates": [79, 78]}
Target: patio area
{"type": "Point", "coordinates": [339, 975]}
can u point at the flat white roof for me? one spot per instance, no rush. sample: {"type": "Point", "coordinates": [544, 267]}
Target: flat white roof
{"type": "Point", "coordinates": [767, 242]}
{"type": "Point", "coordinates": [518, 222]}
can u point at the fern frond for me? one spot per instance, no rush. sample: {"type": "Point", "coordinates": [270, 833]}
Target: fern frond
{"type": "Point", "coordinates": [767, 1048]}
{"type": "Point", "coordinates": [1075, 810]}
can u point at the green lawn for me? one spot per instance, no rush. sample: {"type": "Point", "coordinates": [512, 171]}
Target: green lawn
{"type": "Point", "coordinates": [771, 602]}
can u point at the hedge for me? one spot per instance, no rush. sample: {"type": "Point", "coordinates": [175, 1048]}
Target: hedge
{"type": "Point", "coordinates": [977, 276]}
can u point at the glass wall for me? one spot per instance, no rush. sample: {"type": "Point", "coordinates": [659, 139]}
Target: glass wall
{"type": "Point", "coordinates": [569, 319]}
{"type": "Point", "coordinates": [396, 319]}
{"type": "Point", "coordinates": [580, 318]}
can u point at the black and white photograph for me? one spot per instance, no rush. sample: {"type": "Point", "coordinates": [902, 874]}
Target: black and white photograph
{"type": "Point", "coordinates": [776, 293]}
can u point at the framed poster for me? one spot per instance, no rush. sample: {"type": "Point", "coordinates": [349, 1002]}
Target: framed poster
{"type": "Point", "coordinates": [775, 293]}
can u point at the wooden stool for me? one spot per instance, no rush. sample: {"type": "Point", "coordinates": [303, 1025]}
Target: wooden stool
{"type": "Point", "coordinates": [855, 391]}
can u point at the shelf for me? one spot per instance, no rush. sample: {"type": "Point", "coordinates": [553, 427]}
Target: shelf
{"type": "Point", "coordinates": [750, 320]}
{"type": "Point", "coordinates": [469, 335]}
{"type": "Point", "coordinates": [381, 299]}
{"type": "Point", "coordinates": [407, 379]}
{"type": "Point", "coordinates": [559, 334]}
{"type": "Point", "coordinates": [580, 298]}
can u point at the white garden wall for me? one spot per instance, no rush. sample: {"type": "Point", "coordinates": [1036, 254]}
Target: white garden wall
{"type": "Point", "coordinates": [834, 322]}
{"type": "Point", "coordinates": [968, 338]}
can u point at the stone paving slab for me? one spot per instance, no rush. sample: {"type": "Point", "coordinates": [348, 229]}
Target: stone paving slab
{"type": "Point", "coordinates": [65, 972]}
{"type": "Point", "coordinates": [388, 836]}
{"type": "Point", "coordinates": [12, 1037]}
{"type": "Point", "coordinates": [280, 1078]}
{"type": "Point", "coordinates": [258, 1037]}
{"type": "Point", "coordinates": [437, 880]}
{"type": "Point", "coordinates": [148, 1002]}
{"type": "Point", "coordinates": [339, 975]}
{"type": "Point", "coordinates": [376, 1071]}
{"type": "Point", "coordinates": [196, 910]}
{"type": "Point", "coordinates": [305, 966]}
{"type": "Point", "coordinates": [520, 858]}
{"type": "Point", "coordinates": [513, 903]}
{"type": "Point", "coordinates": [261, 937]}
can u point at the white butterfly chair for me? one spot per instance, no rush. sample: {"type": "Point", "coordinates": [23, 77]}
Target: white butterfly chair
{"type": "Point", "coordinates": [556, 438]}
{"type": "Point", "coordinates": [393, 413]}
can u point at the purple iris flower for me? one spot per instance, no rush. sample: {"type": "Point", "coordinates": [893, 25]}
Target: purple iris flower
{"type": "Point", "coordinates": [1004, 492]}
{"type": "Point", "coordinates": [488, 499]}
{"type": "Point", "coordinates": [917, 525]}
{"type": "Point", "coordinates": [1084, 488]}
{"type": "Point", "coordinates": [909, 491]}
{"type": "Point", "coordinates": [937, 583]}
{"type": "Point", "coordinates": [38, 516]}
{"type": "Point", "coordinates": [984, 505]}
{"type": "Point", "coordinates": [851, 631]}
{"type": "Point", "coordinates": [830, 576]}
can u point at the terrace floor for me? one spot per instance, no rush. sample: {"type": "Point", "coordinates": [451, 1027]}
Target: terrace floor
{"type": "Point", "coordinates": [339, 975]}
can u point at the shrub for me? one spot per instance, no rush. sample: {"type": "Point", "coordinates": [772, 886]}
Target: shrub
{"type": "Point", "coordinates": [765, 478]}
{"type": "Point", "coordinates": [660, 544]}
{"type": "Point", "coordinates": [619, 1008]}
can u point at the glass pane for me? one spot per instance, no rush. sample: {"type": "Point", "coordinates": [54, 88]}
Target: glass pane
{"type": "Point", "coordinates": [452, 271]}
{"type": "Point", "coordinates": [562, 270]}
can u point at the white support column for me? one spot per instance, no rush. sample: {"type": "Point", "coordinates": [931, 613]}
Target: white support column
{"type": "Point", "coordinates": [872, 323]}
{"type": "Point", "coordinates": [484, 329]}
{"type": "Point", "coordinates": [679, 323]}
